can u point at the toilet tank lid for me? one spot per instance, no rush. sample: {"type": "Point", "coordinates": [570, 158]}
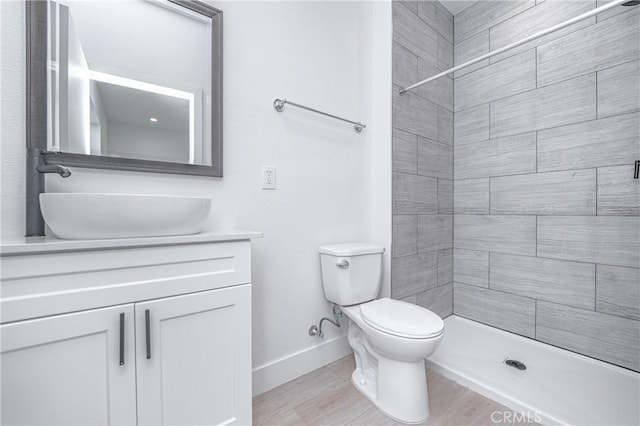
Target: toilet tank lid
{"type": "Point", "coordinates": [351, 249]}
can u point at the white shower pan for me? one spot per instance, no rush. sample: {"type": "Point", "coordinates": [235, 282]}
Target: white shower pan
{"type": "Point", "coordinates": [557, 387]}
{"type": "Point", "coordinates": [82, 216]}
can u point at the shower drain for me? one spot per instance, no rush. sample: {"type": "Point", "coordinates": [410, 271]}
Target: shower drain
{"type": "Point", "coordinates": [515, 364]}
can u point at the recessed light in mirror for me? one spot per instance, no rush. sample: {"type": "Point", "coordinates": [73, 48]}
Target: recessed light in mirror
{"type": "Point", "coordinates": [153, 120]}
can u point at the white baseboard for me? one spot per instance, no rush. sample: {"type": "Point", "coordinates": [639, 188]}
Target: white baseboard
{"type": "Point", "coordinates": [275, 373]}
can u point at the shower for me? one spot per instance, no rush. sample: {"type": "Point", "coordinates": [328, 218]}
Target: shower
{"type": "Point", "coordinates": [527, 137]}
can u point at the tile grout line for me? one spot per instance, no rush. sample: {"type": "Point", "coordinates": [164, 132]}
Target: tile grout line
{"type": "Point", "coordinates": [489, 270]}
{"type": "Point", "coordinates": [535, 319]}
{"type": "Point", "coordinates": [536, 66]}
{"type": "Point", "coordinates": [545, 172]}
{"type": "Point", "coordinates": [583, 262]}
{"type": "Point", "coordinates": [453, 174]}
{"type": "Point", "coordinates": [597, 72]}
{"type": "Point", "coordinates": [489, 196]}
{"type": "Point", "coordinates": [595, 287]}
{"type": "Point", "coordinates": [536, 236]}
{"type": "Point", "coordinates": [596, 191]}
{"type": "Point", "coordinates": [536, 157]}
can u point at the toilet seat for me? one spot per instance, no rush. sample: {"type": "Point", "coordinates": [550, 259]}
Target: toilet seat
{"type": "Point", "coordinates": [401, 319]}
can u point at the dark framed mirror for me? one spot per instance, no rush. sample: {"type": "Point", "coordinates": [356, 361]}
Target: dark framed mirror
{"type": "Point", "coordinates": [127, 85]}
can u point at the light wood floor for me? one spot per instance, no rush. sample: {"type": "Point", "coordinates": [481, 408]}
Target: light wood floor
{"type": "Point", "coordinates": [326, 397]}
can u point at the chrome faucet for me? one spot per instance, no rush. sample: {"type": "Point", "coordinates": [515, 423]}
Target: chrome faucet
{"type": "Point", "coordinates": [36, 168]}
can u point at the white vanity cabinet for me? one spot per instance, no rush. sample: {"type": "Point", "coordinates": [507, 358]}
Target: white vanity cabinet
{"type": "Point", "coordinates": [153, 331]}
{"type": "Point", "coordinates": [66, 370]}
{"type": "Point", "coordinates": [196, 366]}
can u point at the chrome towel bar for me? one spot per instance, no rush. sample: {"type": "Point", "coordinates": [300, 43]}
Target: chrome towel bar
{"type": "Point", "coordinates": [279, 104]}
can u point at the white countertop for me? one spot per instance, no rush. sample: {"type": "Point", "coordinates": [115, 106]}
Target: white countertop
{"type": "Point", "coordinates": [32, 245]}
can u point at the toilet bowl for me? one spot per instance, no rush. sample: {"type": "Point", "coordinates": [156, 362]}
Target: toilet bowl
{"type": "Point", "coordinates": [390, 368]}
{"type": "Point", "coordinates": [390, 338]}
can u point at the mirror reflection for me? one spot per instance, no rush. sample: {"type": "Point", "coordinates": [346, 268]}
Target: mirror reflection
{"type": "Point", "coordinates": [130, 79]}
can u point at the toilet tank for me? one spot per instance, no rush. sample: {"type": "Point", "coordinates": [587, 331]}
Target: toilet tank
{"type": "Point", "coordinates": [351, 273]}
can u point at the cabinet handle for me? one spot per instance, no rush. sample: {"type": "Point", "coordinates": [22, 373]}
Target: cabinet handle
{"type": "Point", "coordinates": [122, 338]}
{"type": "Point", "coordinates": [148, 332]}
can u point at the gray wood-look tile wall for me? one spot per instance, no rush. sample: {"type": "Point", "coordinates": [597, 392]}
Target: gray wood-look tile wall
{"type": "Point", "coordinates": [423, 121]}
{"type": "Point", "coordinates": [546, 211]}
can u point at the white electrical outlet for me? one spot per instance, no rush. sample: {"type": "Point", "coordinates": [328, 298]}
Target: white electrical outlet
{"type": "Point", "coordinates": [268, 177]}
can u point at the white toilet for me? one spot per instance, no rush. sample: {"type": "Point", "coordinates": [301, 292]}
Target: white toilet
{"type": "Point", "coordinates": [390, 338]}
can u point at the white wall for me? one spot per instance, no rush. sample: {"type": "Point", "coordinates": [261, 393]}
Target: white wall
{"type": "Point", "coordinates": [333, 185]}
{"type": "Point", "coordinates": [12, 121]}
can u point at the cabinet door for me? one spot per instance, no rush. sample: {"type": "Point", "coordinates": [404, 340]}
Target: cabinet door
{"type": "Point", "coordinates": [194, 358]}
{"type": "Point", "coordinates": [67, 370]}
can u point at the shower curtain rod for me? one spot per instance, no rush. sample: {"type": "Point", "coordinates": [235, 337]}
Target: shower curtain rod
{"type": "Point", "coordinates": [518, 43]}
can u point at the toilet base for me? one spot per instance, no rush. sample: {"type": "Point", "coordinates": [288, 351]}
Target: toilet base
{"type": "Point", "coordinates": [397, 388]}
{"type": "Point", "coordinates": [414, 410]}
{"type": "Point", "coordinates": [367, 387]}
{"type": "Point", "coordinates": [403, 390]}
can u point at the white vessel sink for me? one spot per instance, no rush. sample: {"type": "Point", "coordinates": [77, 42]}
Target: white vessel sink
{"type": "Point", "coordinates": [82, 216]}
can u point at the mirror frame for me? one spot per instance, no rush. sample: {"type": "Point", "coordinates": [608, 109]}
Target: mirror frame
{"type": "Point", "coordinates": [36, 102]}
